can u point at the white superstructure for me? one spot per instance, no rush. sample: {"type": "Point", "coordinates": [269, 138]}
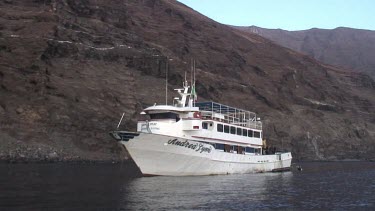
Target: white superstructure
{"type": "Point", "coordinates": [205, 138]}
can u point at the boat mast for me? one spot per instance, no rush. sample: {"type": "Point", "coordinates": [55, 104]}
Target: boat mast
{"type": "Point", "coordinates": [166, 82]}
{"type": "Point", "coordinates": [185, 81]}
{"type": "Point", "coordinates": [191, 72]}
{"type": "Point", "coordinates": [192, 82]}
{"type": "Point", "coordinates": [195, 91]}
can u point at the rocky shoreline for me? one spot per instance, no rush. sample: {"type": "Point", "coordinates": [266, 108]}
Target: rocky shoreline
{"type": "Point", "coordinates": [46, 154]}
{"type": "Point", "coordinates": [16, 151]}
{"type": "Point", "coordinates": [38, 157]}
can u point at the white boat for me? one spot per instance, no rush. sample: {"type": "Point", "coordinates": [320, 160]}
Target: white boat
{"type": "Point", "coordinates": [205, 138]}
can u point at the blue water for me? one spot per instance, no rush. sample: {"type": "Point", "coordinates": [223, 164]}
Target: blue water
{"type": "Point", "coordinates": [320, 186]}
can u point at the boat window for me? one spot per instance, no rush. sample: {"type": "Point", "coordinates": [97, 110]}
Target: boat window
{"type": "Point", "coordinates": [220, 128]}
{"type": "Point", "coordinates": [240, 150]}
{"type": "Point", "coordinates": [256, 134]}
{"type": "Point", "coordinates": [219, 146]}
{"type": "Point", "coordinates": [227, 148]}
{"type": "Point", "coordinates": [232, 130]}
{"type": "Point", "coordinates": [239, 131]}
{"type": "Point", "coordinates": [250, 133]}
{"type": "Point", "coordinates": [205, 125]}
{"type": "Point", "coordinates": [250, 150]}
{"type": "Point", "coordinates": [168, 115]}
{"type": "Point", "coordinates": [234, 148]}
{"type": "Point", "coordinates": [226, 128]}
{"type": "Point", "coordinates": [244, 132]}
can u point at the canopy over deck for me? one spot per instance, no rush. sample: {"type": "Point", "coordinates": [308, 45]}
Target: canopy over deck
{"type": "Point", "coordinates": [228, 114]}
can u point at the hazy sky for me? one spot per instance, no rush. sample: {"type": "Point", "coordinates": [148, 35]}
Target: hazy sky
{"type": "Point", "coordinates": [289, 14]}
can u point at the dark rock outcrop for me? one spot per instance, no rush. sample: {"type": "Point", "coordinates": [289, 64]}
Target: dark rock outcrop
{"type": "Point", "coordinates": [68, 69]}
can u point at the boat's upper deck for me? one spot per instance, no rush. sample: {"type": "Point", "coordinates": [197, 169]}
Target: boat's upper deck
{"type": "Point", "coordinates": [227, 114]}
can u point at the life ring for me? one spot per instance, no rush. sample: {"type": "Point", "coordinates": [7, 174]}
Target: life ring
{"type": "Point", "coordinates": [197, 115]}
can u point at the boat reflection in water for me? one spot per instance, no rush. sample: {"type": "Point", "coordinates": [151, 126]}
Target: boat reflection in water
{"type": "Point", "coordinates": [320, 186]}
{"type": "Point", "coordinates": [221, 192]}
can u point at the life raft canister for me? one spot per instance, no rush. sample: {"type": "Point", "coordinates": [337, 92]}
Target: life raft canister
{"type": "Point", "coordinates": [197, 115]}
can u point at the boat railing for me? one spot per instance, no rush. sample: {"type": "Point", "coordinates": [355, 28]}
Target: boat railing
{"type": "Point", "coordinates": [255, 125]}
{"type": "Point", "coordinates": [227, 114]}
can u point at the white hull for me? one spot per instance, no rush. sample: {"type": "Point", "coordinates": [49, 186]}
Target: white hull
{"type": "Point", "coordinates": [166, 155]}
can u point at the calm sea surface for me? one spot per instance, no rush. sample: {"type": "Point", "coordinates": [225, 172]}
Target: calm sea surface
{"type": "Point", "coordinates": [321, 185]}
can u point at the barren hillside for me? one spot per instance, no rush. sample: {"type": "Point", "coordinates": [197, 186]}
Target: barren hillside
{"type": "Point", "coordinates": [349, 48]}
{"type": "Point", "coordinates": [68, 69]}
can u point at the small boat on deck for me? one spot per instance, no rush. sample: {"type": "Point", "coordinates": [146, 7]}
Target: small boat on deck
{"type": "Point", "coordinates": [199, 138]}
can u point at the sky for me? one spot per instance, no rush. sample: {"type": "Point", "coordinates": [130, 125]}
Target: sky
{"type": "Point", "coordinates": [289, 14]}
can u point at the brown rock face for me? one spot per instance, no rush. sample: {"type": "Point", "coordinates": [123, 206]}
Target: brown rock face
{"type": "Point", "coordinates": [68, 69]}
{"type": "Point", "coordinates": [352, 49]}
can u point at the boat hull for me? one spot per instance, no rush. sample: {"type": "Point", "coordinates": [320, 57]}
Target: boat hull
{"type": "Point", "coordinates": [165, 155]}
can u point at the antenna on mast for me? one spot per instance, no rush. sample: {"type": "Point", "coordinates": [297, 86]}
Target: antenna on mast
{"type": "Point", "coordinates": [193, 85]}
{"type": "Point", "coordinates": [184, 83]}
{"type": "Point", "coordinates": [191, 72]}
{"type": "Point", "coordinates": [166, 82]}
{"type": "Point", "coordinates": [194, 71]}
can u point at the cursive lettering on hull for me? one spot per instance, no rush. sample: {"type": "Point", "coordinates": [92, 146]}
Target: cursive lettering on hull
{"type": "Point", "coordinates": [198, 147]}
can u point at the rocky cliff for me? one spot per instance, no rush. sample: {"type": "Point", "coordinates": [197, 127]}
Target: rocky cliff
{"type": "Point", "coordinates": [68, 69]}
{"type": "Point", "coordinates": [349, 48]}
